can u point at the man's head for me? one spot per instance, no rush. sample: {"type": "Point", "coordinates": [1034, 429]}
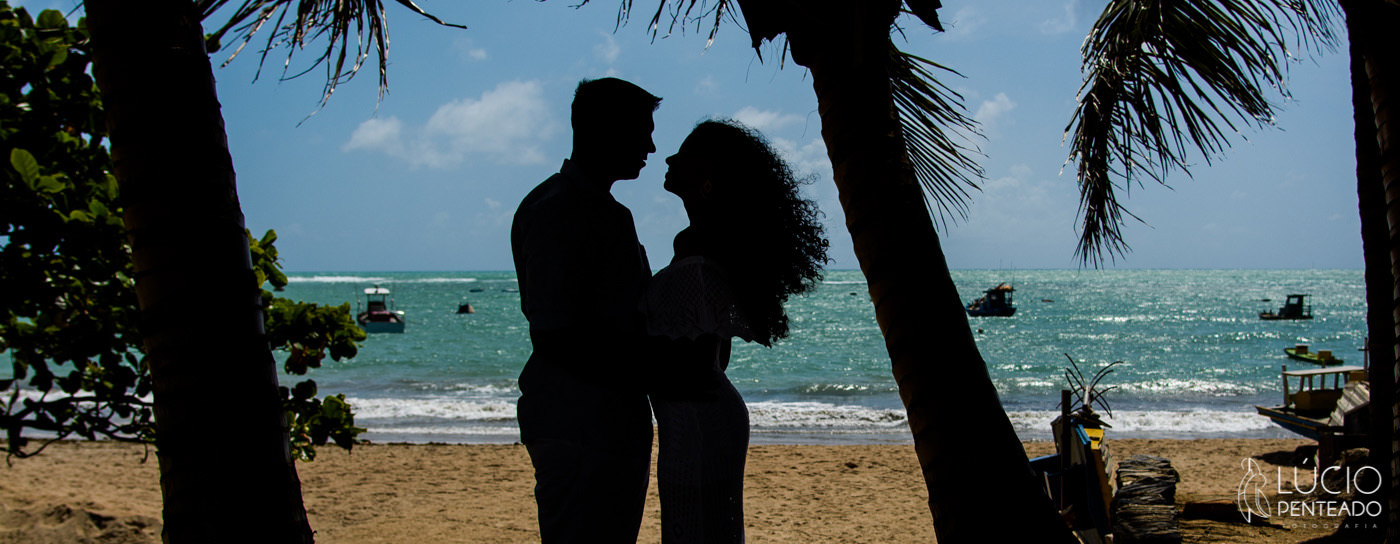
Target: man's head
{"type": "Point", "coordinates": [612, 127]}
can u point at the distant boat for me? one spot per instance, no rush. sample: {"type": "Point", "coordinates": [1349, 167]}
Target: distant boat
{"type": "Point", "coordinates": [379, 315]}
{"type": "Point", "coordinates": [465, 308]}
{"type": "Point", "coordinates": [995, 303]}
{"type": "Point", "coordinates": [1320, 357]}
{"type": "Point", "coordinates": [1295, 307]}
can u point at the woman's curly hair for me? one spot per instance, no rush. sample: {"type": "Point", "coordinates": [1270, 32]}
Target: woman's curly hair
{"type": "Point", "coordinates": [770, 239]}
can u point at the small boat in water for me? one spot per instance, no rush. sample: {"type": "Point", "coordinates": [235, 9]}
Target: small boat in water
{"type": "Point", "coordinates": [1294, 308]}
{"type": "Point", "coordinates": [379, 314]}
{"type": "Point", "coordinates": [996, 302]}
{"type": "Point", "coordinates": [1322, 357]}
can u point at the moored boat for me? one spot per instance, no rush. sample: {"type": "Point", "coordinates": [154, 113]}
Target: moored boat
{"type": "Point", "coordinates": [1322, 357]}
{"type": "Point", "coordinates": [1295, 307]}
{"type": "Point", "coordinates": [379, 314]}
{"type": "Point", "coordinates": [1331, 413]}
{"type": "Point", "coordinates": [996, 302]}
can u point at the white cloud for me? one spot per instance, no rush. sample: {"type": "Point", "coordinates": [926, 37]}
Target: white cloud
{"type": "Point", "coordinates": [962, 25]}
{"type": "Point", "coordinates": [707, 85]}
{"type": "Point", "coordinates": [764, 120]}
{"type": "Point", "coordinates": [468, 49]}
{"type": "Point", "coordinates": [506, 124]}
{"type": "Point", "coordinates": [1067, 22]}
{"type": "Point", "coordinates": [807, 159]}
{"type": "Point", "coordinates": [384, 135]}
{"type": "Point", "coordinates": [993, 110]}
{"type": "Point", "coordinates": [608, 50]}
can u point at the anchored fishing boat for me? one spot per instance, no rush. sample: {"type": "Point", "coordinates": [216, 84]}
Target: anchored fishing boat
{"type": "Point", "coordinates": [996, 302]}
{"type": "Point", "coordinates": [1322, 357]}
{"type": "Point", "coordinates": [379, 314]}
{"type": "Point", "coordinates": [1294, 307]}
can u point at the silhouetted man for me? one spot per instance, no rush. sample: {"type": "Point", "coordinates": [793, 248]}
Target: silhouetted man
{"type": "Point", "coordinates": [583, 413]}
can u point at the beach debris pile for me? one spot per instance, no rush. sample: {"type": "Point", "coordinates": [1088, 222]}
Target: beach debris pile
{"type": "Point", "coordinates": [1144, 508]}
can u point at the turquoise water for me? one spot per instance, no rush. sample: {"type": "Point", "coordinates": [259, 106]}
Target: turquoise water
{"type": "Point", "coordinates": [1196, 357]}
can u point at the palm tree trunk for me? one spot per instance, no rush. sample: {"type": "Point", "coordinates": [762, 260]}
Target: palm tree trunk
{"type": "Point", "coordinates": [1371, 25]}
{"type": "Point", "coordinates": [1375, 238]}
{"type": "Point", "coordinates": [975, 485]}
{"type": "Point", "coordinates": [226, 472]}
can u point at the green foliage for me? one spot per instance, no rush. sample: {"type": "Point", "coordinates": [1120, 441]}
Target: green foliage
{"type": "Point", "coordinates": [68, 311]}
{"type": "Point", "coordinates": [308, 333]}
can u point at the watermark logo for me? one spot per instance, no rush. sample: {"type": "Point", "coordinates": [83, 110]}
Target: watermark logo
{"type": "Point", "coordinates": [1335, 491]}
{"type": "Point", "coordinates": [1250, 496]}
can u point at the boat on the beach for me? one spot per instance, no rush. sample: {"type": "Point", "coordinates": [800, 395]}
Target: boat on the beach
{"type": "Point", "coordinates": [1335, 414]}
{"type": "Point", "coordinates": [1322, 357]}
{"type": "Point", "coordinates": [1295, 307]}
{"type": "Point", "coordinates": [379, 314]}
{"type": "Point", "coordinates": [996, 302]}
{"type": "Point", "coordinates": [1076, 475]}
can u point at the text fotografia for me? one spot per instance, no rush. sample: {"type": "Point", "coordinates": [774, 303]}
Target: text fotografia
{"type": "Point", "coordinates": [1294, 499]}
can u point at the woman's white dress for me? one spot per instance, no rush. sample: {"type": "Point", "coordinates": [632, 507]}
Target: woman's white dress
{"type": "Point", "coordinates": [702, 423]}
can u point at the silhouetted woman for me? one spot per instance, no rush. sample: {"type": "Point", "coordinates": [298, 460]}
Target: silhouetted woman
{"type": "Point", "coordinates": [752, 242]}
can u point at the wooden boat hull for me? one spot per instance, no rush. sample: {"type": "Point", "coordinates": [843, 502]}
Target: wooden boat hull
{"type": "Point", "coordinates": [378, 324]}
{"type": "Point", "coordinates": [1286, 418]}
{"type": "Point", "coordinates": [1270, 316]}
{"type": "Point", "coordinates": [1311, 357]}
{"type": "Point", "coordinates": [991, 312]}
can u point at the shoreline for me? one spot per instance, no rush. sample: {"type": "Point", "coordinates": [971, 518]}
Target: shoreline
{"type": "Point", "coordinates": [396, 492]}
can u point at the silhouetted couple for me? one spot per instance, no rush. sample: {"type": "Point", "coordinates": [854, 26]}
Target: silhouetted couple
{"type": "Point", "coordinates": [612, 343]}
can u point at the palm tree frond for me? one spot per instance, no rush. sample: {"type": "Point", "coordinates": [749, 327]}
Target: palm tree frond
{"type": "Point", "coordinates": [344, 24]}
{"type": "Point", "coordinates": [937, 133]}
{"type": "Point", "coordinates": [685, 11]}
{"type": "Point", "coordinates": [926, 11]}
{"type": "Point", "coordinates": [1166, 78]}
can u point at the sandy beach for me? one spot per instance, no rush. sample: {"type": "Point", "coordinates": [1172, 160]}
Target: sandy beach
{"type": "Point", "coordinates": [390, 493]}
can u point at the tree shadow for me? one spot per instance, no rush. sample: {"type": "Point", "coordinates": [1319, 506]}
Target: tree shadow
{"type": "Point", "coordinates": [1302, 457]}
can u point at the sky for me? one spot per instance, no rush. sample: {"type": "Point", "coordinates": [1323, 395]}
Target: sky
{"type": "Point", "coordinates": [427, 179]}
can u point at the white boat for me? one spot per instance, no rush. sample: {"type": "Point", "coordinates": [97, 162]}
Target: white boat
{"type": "Point", "coordinates": [379, 314]}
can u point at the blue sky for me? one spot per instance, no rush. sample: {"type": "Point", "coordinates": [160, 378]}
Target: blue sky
{"type": "Point", "coordinates": [428, 178]}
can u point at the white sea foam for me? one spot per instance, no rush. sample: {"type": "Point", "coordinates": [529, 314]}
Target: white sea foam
{"type": "Point", "coordinates": [336, 279]}
{"type": "Point", "coordinates": [821, 415]}
{"type": "Point", "coordinates": [1149, 422]}
{"type": "Point", "coordinates": [446, 431]}
{"type": "Point", "coordinates": [435, 408]}
{"type": "Point", "coordinates": [378, 279]}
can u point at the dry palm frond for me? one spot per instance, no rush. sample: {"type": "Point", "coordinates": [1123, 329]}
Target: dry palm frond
{"type": "Point", "coordinates": [1163, 77]}
{"type": "Point", "coordinates": [345, 24]}
{"type": "Point", "coordinates": [932, 120]}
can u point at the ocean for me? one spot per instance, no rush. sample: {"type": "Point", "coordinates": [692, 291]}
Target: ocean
{"type": "Point", "coordinates": [1195, 356]}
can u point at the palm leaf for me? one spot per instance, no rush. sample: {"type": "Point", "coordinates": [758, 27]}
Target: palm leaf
{"type": "Point", "coordinates": [933, 122]}
{"type": "Point", "coordinates": [1166, 77]}
{"type": "Point", "coordinates": [344, 24]}
{"type": "Point", "coordinates": [936, 131]}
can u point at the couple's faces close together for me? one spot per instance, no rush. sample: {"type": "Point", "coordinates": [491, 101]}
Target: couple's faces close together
{"type": "Point", "coordinates": [686, 174]}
